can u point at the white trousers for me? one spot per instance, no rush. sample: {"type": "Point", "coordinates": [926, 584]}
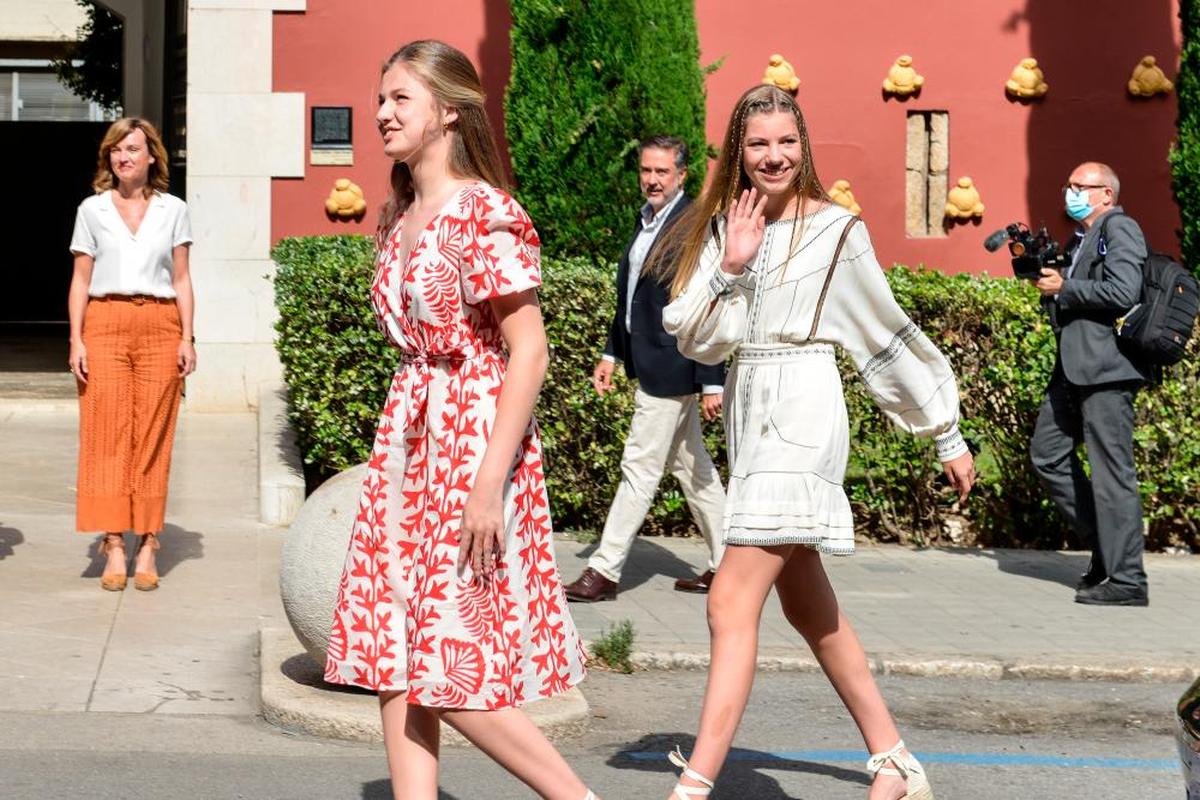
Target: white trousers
{"type": "Point", "coordinates": [664, 429]}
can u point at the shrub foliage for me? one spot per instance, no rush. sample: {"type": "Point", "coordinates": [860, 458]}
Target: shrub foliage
{"type": "Point", "coordinates": [338, 367]}
{"type": "Point", "coordinates": [1185, 155]}
{"type": "Point", "coordinates": [590, 78]}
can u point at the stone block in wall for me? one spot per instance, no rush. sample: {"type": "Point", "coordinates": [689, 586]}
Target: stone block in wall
{"type": "Point", "coordinates": [265, 5]}
{"type": "Point", "coordinates": [918, 144]}
{"type": "Point", "coordinates": [220, 68]}
{"type": "Point", "coordinates": [230, 376]}
{"type": "Point", "coordinates": [939, 142]}
{"type": "Point", "coordinates": [246, 135]}
{"type": "Point", "coordinates": [235, 300]}
{"type": "Point", "coordinates": [231, 216]}
{"type": "Point", "coordinates": [916, 193]}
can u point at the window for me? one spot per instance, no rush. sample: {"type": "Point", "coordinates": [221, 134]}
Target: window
{"type": "Point", "coordinates": [926, 172]}
{"type": "Point", "coordinates": [30, 92]}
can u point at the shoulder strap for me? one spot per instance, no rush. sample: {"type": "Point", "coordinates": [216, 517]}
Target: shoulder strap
{"type": "Point", "coordinates": [837, 254]}
{"type": "Point", "coordinates": [1099, 259]}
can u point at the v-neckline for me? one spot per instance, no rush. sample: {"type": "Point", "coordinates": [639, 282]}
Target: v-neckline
{"type": "Point", "coordinates": [399, 233]}
{"type": "Point", "coordinates": [133, 233]}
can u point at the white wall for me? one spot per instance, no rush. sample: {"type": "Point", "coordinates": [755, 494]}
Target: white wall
{"type": "Point", "coordinates": [39, 20]}
{"type": "Point", "coordinates": [240, 135]}
{"type": "Point", "coordinates": [143, 21]}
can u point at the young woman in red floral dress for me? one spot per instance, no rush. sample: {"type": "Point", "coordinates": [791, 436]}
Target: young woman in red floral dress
{"type": "Point", "coordinates": [451, 606]}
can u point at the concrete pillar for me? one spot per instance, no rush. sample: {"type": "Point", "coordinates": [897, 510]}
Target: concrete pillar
{"type": "Point", "coordinates": [240, 136]}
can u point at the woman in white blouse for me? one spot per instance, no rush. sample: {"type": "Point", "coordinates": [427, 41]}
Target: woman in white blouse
{"type": "Point", "coordinates": [131, 307]}
{"type": "Point", "coordinates": [772, 273]}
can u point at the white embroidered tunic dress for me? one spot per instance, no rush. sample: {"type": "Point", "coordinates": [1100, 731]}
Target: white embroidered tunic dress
{"type": "Point", "coordinates": [786, 422]}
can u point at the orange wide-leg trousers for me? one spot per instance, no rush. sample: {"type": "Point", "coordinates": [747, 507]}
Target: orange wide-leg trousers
{"type": "Point", "coordinates": [127, 412]}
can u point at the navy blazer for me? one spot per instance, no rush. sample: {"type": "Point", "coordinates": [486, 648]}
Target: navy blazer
{"type": "Point", "coordinates": [1102, 287]}
{"type": "Point", "coordinates": [649, 353]}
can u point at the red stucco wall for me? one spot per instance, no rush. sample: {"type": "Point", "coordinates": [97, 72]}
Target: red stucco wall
{"type": "Point", "coordinates": [1018, 154]}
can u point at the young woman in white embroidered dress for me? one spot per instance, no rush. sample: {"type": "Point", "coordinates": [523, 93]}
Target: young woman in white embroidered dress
{"type": "Point", "coordinates": [752, 262]}
{"type": "Point", "coordinates": [451, 606]}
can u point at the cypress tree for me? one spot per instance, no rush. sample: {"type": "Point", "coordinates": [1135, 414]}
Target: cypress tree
{"type": "Point", "coordinates": [590, 78]}
{"type": "Point", "coordinates": [1185, 155]}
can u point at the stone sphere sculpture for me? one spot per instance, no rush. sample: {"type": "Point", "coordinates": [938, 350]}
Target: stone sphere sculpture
{"type": "Point", "coordinates": [313, 554]}
{"type": "Point", "coordinates": [902, 80]}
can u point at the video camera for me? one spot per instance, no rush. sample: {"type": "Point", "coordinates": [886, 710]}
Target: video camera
{"type": "Point", "coordinates": [1030, 251]}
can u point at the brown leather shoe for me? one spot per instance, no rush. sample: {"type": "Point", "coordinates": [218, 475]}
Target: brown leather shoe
{"type": "Point", "coordinates": [698, 585]}
{"type": "Point", "coordinates": [590, 587]}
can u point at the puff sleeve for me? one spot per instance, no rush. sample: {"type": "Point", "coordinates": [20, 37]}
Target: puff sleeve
{"type": "Point", "coordinates": [500, 248]}
{"type": "Point", "coordinates": [908, 377]}
{"type": "Point", "coordinates": [709, 318]}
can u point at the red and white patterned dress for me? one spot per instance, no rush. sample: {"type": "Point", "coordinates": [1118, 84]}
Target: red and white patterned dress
{"type": "Point", "coordinates": [405, 620]}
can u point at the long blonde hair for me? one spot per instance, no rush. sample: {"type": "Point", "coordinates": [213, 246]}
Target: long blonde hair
{"type": "Point", "coordinates": [453, 81]}
{"type": "Point", "coordinates": [158, 178]}
{"type": "Point", "coordinates": [677, 253]}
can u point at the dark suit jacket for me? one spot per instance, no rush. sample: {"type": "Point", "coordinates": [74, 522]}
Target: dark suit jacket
{"type": "Point", "coordinates": [1101, 288]}
{"type": "Point", "coordinates": [649, 353]}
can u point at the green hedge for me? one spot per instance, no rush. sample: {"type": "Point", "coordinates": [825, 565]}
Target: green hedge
{"type": "Point", "coordinates": [1185, 155]}
{"type": "Point", "coordinates": [590, 78]}
{"type": "Point", "coordinates": [338, 368]}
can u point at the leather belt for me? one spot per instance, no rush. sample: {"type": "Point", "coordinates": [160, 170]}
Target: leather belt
{"type": "Point", "coordinates": [136, 299]}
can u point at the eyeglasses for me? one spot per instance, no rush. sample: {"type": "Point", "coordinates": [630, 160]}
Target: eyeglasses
{"type": "Point", "coordinates": [1082, 187]}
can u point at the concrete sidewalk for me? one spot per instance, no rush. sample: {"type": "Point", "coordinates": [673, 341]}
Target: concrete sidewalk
{"type": "Point", "coordinates": [188, 648]}
{"type": "Point", "coordinates": [953, 612]}
{"type": "Point", "coordinates": [192, 646]}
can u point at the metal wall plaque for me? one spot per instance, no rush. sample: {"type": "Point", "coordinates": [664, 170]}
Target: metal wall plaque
{"type": "Point", "coordinates": [331, 127]}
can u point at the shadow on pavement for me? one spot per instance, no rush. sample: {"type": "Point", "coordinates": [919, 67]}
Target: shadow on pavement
{"type": "Point", "coordinates": [646, 560]}
{"type": "Point", "coordinates": [1061, 568]}
{"type": "Point", "coordinates": [740, 777]}
{"type": "Point", "coordinates": [9, 539]}
{"type": "Point", "coordinates": [382, 790]}
{"type": "Point", "coordinates": [177, 545]}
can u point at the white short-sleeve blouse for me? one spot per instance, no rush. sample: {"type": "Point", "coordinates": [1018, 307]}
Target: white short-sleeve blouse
{"type": "Point", "coordinates": [127, 263]}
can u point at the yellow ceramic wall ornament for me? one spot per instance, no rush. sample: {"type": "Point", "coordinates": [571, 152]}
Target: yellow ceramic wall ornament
{"type": "Point", "coordinates": [840, 193]}
{"type": "Point", "coordinates": [963, 201]}
{"type": "Point", "coordinates": [780, 73]}
{"type": "Point", "coordinates": [1027, 80]}
{"type": "Point", "coordinates": [1148, 79]}
{"type": "Point", "coordinates": [902, 80]}
{"type": "Point", "coordinates": [345, 201]}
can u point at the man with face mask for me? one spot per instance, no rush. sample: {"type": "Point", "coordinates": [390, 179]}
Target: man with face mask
{"type": "Point", "coordinates": [665, 426]}
{"type": "Point", "coordinates": [1091, 393]}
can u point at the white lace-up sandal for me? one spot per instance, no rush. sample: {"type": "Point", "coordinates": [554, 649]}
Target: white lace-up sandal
{"type": "Point", "coordinates": [688, 792]}
{"type": "Point", "coordinates": [905, 766]}
{"type": "Point", "coordinates": [590, 795]}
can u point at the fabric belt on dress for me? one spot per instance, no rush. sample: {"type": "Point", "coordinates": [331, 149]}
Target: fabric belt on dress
{"type": "Point", "coordinates": [136, 299]}
{"type": "Point", "coordinates": [748, 353]}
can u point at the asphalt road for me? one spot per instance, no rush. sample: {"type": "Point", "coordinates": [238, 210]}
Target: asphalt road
{"type": "Point", "coordinates": [982, 740]}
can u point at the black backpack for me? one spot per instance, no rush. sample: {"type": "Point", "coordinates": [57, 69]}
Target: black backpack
{"type": "Point", "coordinates": [1157, 329]}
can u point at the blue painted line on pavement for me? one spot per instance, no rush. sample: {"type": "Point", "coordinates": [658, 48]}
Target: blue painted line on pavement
{"type": "Point", "coordinates": [964, 759]}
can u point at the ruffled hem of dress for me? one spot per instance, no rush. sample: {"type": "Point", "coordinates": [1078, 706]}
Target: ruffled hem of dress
{"type": "Point", "coordinates": [830, 546]}
{"type": "Point", "coordinates": [815, 513]}
{"type": "Point", "coordinates": [571, 683]}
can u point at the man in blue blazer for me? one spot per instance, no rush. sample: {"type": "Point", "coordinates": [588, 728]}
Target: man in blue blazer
{"type": "Point", "coordinates": [666, 422]}
{"type": "Point", "coordinates": [1091, 393]}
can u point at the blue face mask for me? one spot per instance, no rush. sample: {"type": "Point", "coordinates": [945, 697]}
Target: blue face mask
{"type": "Point", "coordinates": [1078, 207]}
